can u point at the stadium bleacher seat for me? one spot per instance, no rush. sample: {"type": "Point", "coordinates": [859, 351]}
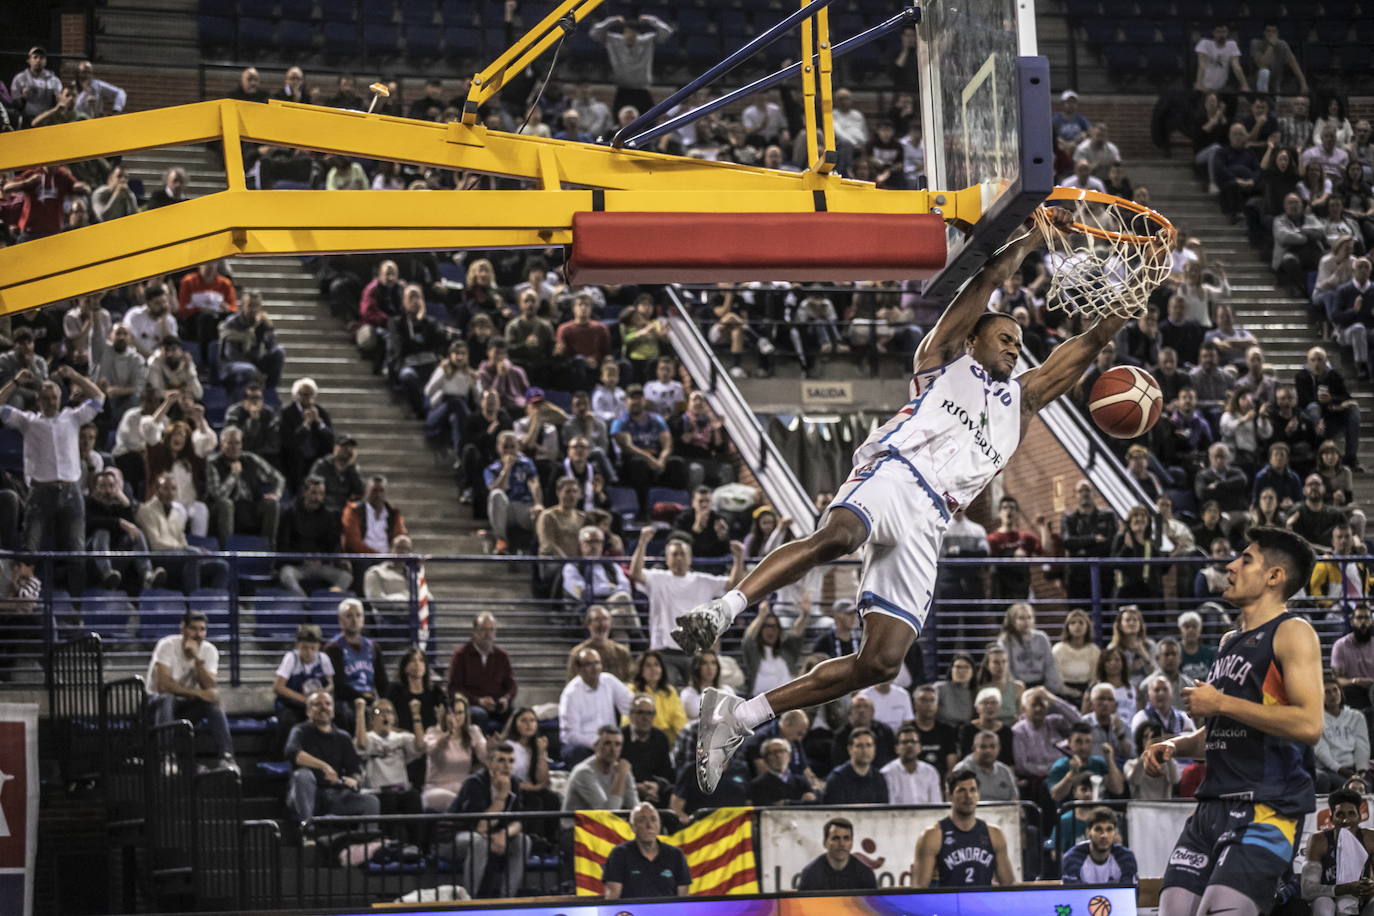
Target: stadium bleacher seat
{"type": "Point", "coordinates": [255, 35]}
{"type": "Point", "coordinates": [1121, 59]}
{"type": "Point", "coordinates": [1331, 31]}
{"type": "Point", "coordinates": [340, 40]}
{"type": "Point", "coordinates": [417, 12]}
{"type": "Point", "coordinates": [336, 10]}
{"type": "Point", "coordinates": [1100, 31]}
{"type": "Point", "coordinates": [1138, 31]}
{"type": "Point", "coordinates": [1317, 58]}
{"type": "Point", "coordinates": [669, 495]}
{"type": "Point", "coordinates": [159, 612]}
{"type": "Point", "coordinates": [297, 9]}
{"type": "Point", "coordinates": [277, 612]}
{"type": "Point", "coordinates": [624, 503]}
{"type": "Point", "coordinates": [464, 42]}
{"type": "Point", "coordinates": [214, 604]}
{"type": "Point", "coordinates": [295, 37]}
{"type": "Point", "coordinates": [107, 612]}
{"type": "Point", "coordinates": [1356, 59]}
{"type": "Point", "coordinates": [380, 40]}
{"type": "Point", "coordinates": [254, 569]}
{"type": "Point", "coordinates": [216, 32]}
{"type": "Point", "coordinates": [216, 402]}
{"type": "Point", "coordinates": [258, 9]}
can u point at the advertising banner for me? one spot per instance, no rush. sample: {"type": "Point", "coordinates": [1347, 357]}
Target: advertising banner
{"type": "Point", "coordinates": [18, 806]}
{"type": "Point", "coordinates": [884, 840]}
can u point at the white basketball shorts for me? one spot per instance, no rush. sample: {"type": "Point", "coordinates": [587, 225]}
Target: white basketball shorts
{"type": "Point", "coordinates": [906, 520]}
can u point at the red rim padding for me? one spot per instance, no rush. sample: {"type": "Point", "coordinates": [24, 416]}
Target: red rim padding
{"type": "Point", "coordinates": [611, 248]}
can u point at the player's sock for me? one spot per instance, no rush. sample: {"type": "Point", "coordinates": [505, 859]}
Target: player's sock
{"type": "Point", "coordinates": [734, 602]}
{"type": "Point", "coordinates": [753, 713]}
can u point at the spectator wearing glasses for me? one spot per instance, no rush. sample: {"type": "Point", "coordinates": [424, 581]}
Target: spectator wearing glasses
{"type": "Point", "coordinates": [591, 701]}
{"type": "Point", "coordinates": [910, 780]}
{"type": "Point", "coordinates": [648, 750]}
{"type": "Point", "coordinates": [777, 784]}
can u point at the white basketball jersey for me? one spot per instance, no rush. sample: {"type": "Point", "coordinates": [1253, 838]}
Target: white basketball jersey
{"type": "Point", "coordinates": [958, 430]}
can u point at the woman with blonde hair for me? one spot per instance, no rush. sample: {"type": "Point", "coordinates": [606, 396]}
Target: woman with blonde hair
{"type": "Point", "coordinates": [1076, 654]}
{"type": "Point", "coordinates": [1029, 654]}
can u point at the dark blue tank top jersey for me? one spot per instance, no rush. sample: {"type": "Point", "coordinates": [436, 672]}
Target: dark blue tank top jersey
{"type": "Point", "coordinates": [1244, 763]}
{"type": "Point", "coordinates": [1329, 860]}
{"type": "Point", "coordinates": [965, 857]}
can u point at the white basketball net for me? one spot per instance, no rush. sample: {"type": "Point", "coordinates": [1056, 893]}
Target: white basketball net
{"type": "Point", "coordinates": [1109, 257]}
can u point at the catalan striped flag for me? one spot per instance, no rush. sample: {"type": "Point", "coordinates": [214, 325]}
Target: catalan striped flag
{"type": "Point", "coordinates": [719, 850]}
{"type": "Point", "coordinates": [423, 597]}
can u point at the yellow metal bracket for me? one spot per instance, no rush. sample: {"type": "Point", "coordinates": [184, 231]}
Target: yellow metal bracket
{"type": "Point", "coordinates": [816, 92]}
{"type": "Point", "coordinates": [238, 221]}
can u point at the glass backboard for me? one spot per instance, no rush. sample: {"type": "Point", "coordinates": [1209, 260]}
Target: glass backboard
{"type": "Point", "coordinates": [985, 110]}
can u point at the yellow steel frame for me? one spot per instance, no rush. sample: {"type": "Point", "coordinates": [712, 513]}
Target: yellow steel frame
{"type": "Point", "coordinates": [241, 222]}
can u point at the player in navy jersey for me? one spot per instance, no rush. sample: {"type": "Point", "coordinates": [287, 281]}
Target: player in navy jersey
{"type": "Point", "coordinates": [966, 417]}
{"type": "Point", "coordinates": [1262, 706]}
{"type": "Point", "coordinates": [961, 850]}
{"type": "Point", "coordinates": [1320, 887]}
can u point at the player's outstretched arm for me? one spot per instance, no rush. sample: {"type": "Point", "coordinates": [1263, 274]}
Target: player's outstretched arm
{"type": "Point", "coordinates": [946, 340]}
{"type": "Point", "coordinates": [1066, 364]}
{"type": "Point", "coordinates": [1299, 654]}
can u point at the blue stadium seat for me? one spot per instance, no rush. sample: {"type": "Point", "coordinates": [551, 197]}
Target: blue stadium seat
{"type": "Point", "coordinates": [225, 8]}
{"type": "Point", "coordinates": [107, 612]}
{"type": "Point", "coordinates": [1364, 30]}
{"type": "Point", "coordinates": [457, 14]}
{"type": "Point", "coordinates": [214, 604]}
{"type": "Point", "coordinates": [340, 38]}
{"type": "Point", "coordinates": [1316, 58]}
{"type": "Point", "coordinates": [702, 49]}
{"type": "Point", "coordinates": [256, 569]}
{"type": "Point", "coordinates": [1262, 9]}
{"type": "Point", "coordinates": [1100, 31]}
{"type": "Point", "coordinates": [669, 495]}
{"type": "Point", "coordinates": [297, 9]}
{"type": "Point", "coordinates": [1331, 31]}
{"type": "Point", "coordinates": [1121, 60]}
{"type": "Point", "coordinates": [336, 10]}
{"type": "Point", "coordinates": [215, 31]}
{"type": "Point", "coordinates": [257, 9]}
{"type": "Point", "coordinates": [561, 399]}
{"type": "Point", "coordinates": [1163, 60]}
{"type": "Point", "coordinates": [1082, 9]}
{"type": "Point", "coordinates": [1172, 31]}
{"type": "Point", "coordinates": [274, 769]}
{"type": "Point", "coordinates": [377, 11]}
{"type": "Point", "coordinates": [11, 450]}
{"type": "Point", "coordinates": [208, 542]}
{"type": "Point", "coordinates": [417, 12]}
{"type": "Point", "coordinates": [465, 42]}
{"type": "Point", "coordinates": [323, 605]}
{"type": "Point", "coordinates": [216, 401]}
{"type": "Point", "coordinates": [1356, 58]}
{"type": "Point", "coordinates": [624, 503]}
{"type": "Point", "coordinates": [294, 36]}
{"type": "Point", "coordinates": [1138, 31]}
{"type": "Point", "coordinates": [380, 40]}
{"type": "Point", "coordinates": [277, 612]}
{"type": "Point", "coordinates": [254, 35]}
{"type": "Point", "coordinates": [159, 612]}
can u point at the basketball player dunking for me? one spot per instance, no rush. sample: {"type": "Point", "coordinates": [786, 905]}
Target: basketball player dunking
{"type": "Point", "coordinates": [1262, 702]}
{"type": "Point", "coordinates": [965, 418]}
{"type": "Point", "coordinates": [961, 850]}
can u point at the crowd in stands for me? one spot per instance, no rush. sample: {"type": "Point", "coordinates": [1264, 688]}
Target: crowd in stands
{"type": "Point", "coordinates": [150, 420]}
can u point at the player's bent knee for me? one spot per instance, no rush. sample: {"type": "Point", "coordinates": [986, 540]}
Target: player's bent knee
{"type": "Point", "coordinates": [876, 668]}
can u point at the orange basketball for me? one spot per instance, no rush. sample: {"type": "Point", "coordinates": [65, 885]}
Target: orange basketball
{"type": "Point", "coordinates": [1099, 906]}
{"type": "Point", "coordinates": [1125, 402]}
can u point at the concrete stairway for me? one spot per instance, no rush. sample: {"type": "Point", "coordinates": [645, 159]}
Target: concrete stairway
{"type": "Point", "coordinates": [420, 483]}
{"type": "Point", "coordinates": [1278, 320]}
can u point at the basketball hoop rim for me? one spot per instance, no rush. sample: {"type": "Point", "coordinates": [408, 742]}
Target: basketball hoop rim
{"type": "Point", "coordinates": [1097, 197]}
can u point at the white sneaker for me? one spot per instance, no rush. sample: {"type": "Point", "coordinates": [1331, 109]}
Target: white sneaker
{"type": "Point", "coordinates": [698, 629]}
{"type": "Point", "coordinates": [718, 737]}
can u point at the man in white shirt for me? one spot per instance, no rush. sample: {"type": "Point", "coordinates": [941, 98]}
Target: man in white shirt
{"type": "Point", "coordinates": [665, 393]}
{"type": "Point", "coordinates": [676, 590]}
{"type": "Point", "coordinates": [1332, 158]}
{"type": "Point", "coordinates": [52, 463]}
{"type": "Point", "coordinates": [1218, 58]}
{"type": "Point", "coordinates": [590, 701]}
{"type": "Point", "coordinates": [152, 322]}
{"type": "Point", "coordinates": [850, 125]}
{"type": "Point", "coordinates": [891, 706]}
{"type": "Point", "coordinates": [182, 683]}
{"type": "Point", "coordinates": [910, 780]}
{"type": "Point", "coordinates": [763, 120]}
